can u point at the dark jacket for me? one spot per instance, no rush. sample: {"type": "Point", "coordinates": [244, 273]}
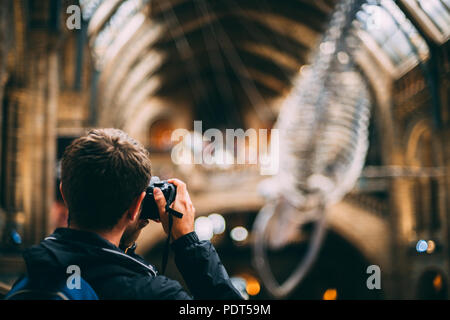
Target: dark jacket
{"type": "Point", "coordinates": [113, 274]}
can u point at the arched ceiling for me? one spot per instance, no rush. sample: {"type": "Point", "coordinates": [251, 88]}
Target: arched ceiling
{"type": "Point", "coordinates": [224, 56]}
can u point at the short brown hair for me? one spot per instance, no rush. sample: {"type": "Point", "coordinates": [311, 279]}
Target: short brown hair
{"type": "Point", "coordinates": [101, 174]}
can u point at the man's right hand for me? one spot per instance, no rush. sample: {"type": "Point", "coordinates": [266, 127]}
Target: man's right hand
{"type": "Point", "coordinates": [182, 204]}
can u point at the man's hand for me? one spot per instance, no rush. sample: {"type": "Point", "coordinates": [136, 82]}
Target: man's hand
{"type": "Point", "coordinates": [182, 204]}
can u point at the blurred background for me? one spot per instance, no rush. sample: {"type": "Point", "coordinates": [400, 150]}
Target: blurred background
{"type": "Point", "coordinates": [359, 91]}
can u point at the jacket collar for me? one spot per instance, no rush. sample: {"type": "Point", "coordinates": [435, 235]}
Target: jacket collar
{"type": "Point", "coordinates": [86, 237]}
{"type": "Point", "coordinates": [92, 239]}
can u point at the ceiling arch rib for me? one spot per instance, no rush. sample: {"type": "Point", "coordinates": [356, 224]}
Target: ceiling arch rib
{"type": "Point", "coordinates": [138, 43]}
{"type": "Point", "coordinates": [137, 76]}
{"type": "Point", "coordinates": [325, 6]}
{"type": "Point", "coordinates": [123, 40]}
{"type": "Point", "coordinates": [125, 58]}
{"type": "Point", "coordinates": [101, 16]}
{"type": "Point", "coordinates": [115, 72]}
{"type": "Point", "coordinates": [283, 60]}
{"type": "Point", "coordinates": [137, 100]}
{"type": "Point", "coordinates": [124, 37]}
{"type": "Point", "coordinates": [141, 72]}
{"type": "Point", "coordinates": [295, 30]}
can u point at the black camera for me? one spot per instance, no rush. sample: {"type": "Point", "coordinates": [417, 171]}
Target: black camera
{"type": "Point", "coordinates": [149, 207]}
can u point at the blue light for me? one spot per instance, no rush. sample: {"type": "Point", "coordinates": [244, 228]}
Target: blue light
{"type": "Point", "coordinates": [421, 246]}
{"type": "Point", "coordinates": [15, 236]}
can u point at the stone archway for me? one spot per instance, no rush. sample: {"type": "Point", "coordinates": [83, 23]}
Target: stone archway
{"type": "Point", "coordinates": [423, 151]}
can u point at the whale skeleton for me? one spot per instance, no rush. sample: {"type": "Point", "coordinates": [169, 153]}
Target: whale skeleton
{"type": "Point", "coordinates": [323, 126]}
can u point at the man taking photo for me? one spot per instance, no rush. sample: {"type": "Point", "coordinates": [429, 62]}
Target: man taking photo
{"type": "Point", "coordinates": [104, 176]}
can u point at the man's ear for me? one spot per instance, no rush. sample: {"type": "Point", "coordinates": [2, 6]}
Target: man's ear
{"type": "Point", "coordinates": [133, 211]}
{"type": "Point", "coordinates": [62, 194]}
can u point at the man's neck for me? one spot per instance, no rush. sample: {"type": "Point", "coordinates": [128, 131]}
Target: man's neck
{"type": "Point", "coordinates": [112, 236]}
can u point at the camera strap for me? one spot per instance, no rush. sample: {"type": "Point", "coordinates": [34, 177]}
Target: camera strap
{"type": "Point", "coordinates": [171, 212]}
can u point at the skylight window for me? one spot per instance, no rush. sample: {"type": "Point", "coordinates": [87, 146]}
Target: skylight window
{"type": "Point", "coordinates": [439, 12]}
{"type": "Point", "coordinates": [392, 31]}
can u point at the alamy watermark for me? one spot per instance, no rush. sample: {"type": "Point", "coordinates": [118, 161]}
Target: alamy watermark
{"type": "Point", "coordinates": [213, 147]}
{"type": "Point", "coordinates": [374, 280]}
{"type": "Point", "coordinates": [73, 21]}
{"type": "Point", "coordinates": [74, 280]}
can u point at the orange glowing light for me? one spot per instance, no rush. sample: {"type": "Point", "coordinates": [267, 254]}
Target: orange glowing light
{"type": "Point", "coordinates": [431, 246]}
{"type": "Point", "coordinates": [330, 294]}
{"type": "Point", "coordinates": [253, 287]}
{"type": "Point", "coordinates": [437, 282]}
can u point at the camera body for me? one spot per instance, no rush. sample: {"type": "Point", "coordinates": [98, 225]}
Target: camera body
{"type": "Point", "coordinates": [149, 207]}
